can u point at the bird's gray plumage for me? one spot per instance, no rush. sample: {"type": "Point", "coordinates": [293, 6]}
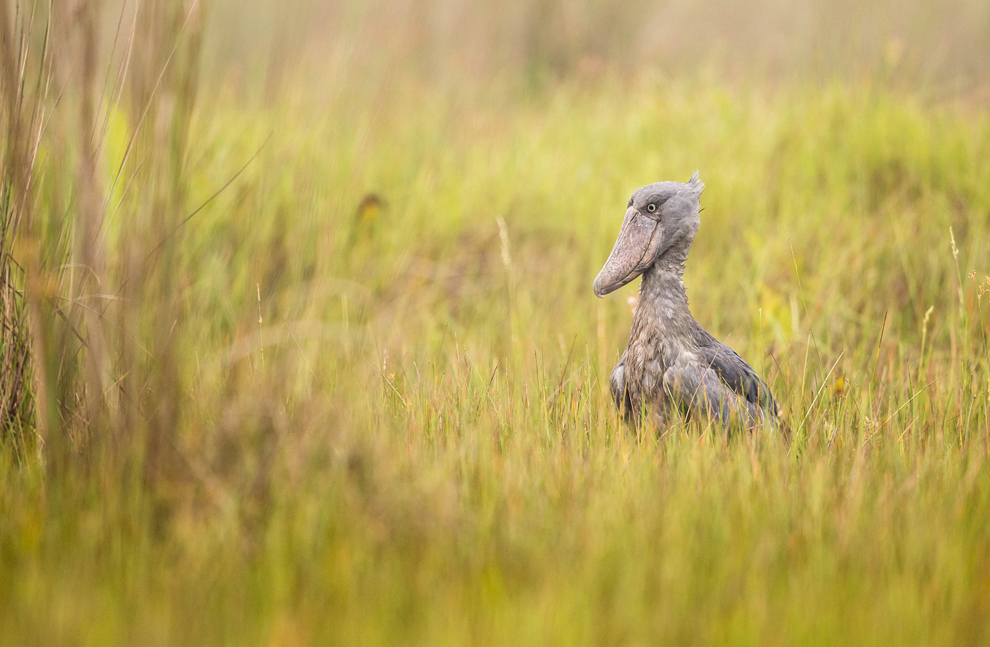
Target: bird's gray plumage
{"type": "Point", "coordinates": [672, 364]}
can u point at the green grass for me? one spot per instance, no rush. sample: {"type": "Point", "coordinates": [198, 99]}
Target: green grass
{"type": "Point", "coordinates": [416, 445]}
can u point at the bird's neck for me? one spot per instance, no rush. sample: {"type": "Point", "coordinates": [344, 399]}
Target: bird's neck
{"type": "Point", "coordinates": [663, 298]}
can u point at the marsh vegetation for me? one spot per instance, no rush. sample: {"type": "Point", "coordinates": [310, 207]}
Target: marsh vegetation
{"type": "Point", "coordinates": [300, 347]}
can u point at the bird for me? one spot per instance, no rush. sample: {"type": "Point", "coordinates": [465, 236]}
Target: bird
{"type": "Point", "coordinates": [366, 218]}
{"type": "Point", "coordinates": [672, 365]}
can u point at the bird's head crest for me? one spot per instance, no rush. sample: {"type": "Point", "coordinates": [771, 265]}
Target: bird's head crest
{"type": "Point", "coordinates": [695, 184]}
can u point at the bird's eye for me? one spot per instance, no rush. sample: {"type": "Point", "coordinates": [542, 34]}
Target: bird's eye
{"type": "Point", "coordinates": [651, 208]}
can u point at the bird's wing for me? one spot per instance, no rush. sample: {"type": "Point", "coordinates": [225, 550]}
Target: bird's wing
{"type": "Point", "coordinates": [617, 384]}
{"type": "Point", "coordinates": [699, 389]}
{"type": "Point", "coordinates": [721, 385]}
{"type": "Point", "coordinates": [734, 372]}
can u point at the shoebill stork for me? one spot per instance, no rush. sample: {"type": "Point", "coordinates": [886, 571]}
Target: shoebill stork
{"type": "Point", "coordinates": [671, 363]}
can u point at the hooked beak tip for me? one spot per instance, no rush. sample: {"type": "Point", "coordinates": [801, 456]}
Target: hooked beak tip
{"type": "Point", "coordinates": [600, 292]}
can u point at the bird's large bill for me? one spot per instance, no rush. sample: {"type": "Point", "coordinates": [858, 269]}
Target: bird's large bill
{"type": "Point", "coordinates": [635, 250]}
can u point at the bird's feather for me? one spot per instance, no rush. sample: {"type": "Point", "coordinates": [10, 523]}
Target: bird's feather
{"type": "Point", "coordinates": [734, 371]}
{"type": "Point", "coordinates": [617, 384]}
{"type": "Point", "coordinates": [700, 390]}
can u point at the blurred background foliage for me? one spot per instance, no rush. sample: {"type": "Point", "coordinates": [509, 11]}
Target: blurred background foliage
{"type": "Point", "coordinates": [937, 45]}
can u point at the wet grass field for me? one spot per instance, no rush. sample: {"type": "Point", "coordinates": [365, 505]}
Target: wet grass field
{"type": "Point", "coordinates": [324, 366]}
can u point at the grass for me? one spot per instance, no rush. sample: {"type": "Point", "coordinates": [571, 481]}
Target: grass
{"type": "Point", "coordinates": [295, 422]}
